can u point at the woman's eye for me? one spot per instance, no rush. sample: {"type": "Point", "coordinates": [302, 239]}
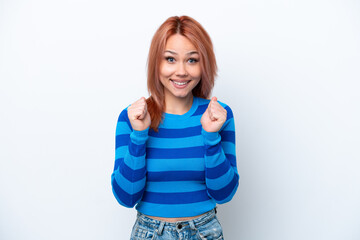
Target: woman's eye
{"type": "Point", "coordinates": [193, 60]}
{"type": "Point", "coordinates": [170, 59]}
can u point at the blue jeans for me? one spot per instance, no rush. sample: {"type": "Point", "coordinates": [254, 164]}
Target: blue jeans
{"type": "Point", "coordinates": [206, 226]}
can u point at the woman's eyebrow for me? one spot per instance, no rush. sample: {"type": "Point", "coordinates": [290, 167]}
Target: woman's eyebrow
{"type": "Point", "coordinates": [189, 53]}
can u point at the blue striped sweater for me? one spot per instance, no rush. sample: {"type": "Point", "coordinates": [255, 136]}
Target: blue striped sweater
{"type": "Point", "coordinates": [180, 171]}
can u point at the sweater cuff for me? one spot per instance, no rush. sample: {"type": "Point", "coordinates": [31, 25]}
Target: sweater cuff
{"type": "Point", "coordinates": [210, 138]}
{"type": "Point", "coordinates": [140, 137]}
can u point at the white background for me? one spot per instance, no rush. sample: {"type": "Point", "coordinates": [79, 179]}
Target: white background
{"type": "Point", "coordinates": [288, 69]}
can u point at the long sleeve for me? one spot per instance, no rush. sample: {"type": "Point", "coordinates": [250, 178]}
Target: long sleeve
{"type": "Point", "coordinates": [129, 176]}
{"type": "Point", "coordinates": [221, 175]}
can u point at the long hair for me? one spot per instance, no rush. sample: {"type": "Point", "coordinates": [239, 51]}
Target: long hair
{"type": "Point", "coordinates": [191, 29]}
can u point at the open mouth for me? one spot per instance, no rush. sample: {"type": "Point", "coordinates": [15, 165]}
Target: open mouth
{"type": "Point", "coordinates": [180, 84]}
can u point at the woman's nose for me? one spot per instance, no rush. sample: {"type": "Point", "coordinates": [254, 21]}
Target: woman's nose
{"type": "Point", "coordinates": [181, 70]}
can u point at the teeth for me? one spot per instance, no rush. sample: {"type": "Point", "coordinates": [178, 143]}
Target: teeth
{"type": "Point", "coordinates": [178, 83]}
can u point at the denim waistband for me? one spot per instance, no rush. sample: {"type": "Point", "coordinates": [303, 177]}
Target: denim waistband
{"type": "Point", "coordinates": [170, 226]}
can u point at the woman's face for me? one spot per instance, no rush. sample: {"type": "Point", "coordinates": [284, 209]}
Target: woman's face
{"type": "Point", "coordinates": [180, 70]}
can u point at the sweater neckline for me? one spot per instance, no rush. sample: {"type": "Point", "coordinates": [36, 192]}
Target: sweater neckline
{"type": "Point", "coordinates": [185, 115]}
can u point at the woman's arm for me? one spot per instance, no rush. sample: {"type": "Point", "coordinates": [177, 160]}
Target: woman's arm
{"type": "Point", "coordinates": [221, 175]}
{"type": "Point", "coordinates": [129, 176]}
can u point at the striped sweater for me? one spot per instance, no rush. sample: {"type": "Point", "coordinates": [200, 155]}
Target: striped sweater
{"type": "Point", "coordinates": [180, 171]}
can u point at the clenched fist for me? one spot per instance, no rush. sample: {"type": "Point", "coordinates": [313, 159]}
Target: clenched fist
{"type": "Point", "coordinates": [138, 115]}
{"type": "Point", "coordinates": [214, 116]}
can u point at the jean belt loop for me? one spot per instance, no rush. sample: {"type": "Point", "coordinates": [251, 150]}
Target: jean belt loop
{"type": "Point", "coordinates": [161, 228]}
{"type": "Point", "coordinates": [192, 224]}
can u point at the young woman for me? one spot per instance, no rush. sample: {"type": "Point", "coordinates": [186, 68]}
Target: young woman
{"type": "Point", "coordinates": [175, 151]}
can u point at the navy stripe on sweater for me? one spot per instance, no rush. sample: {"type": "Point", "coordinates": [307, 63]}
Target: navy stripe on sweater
{"type": "Point", "coordinates": [176, 176]}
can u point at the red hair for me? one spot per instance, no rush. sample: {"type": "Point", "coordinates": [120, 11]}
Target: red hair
{"type": "Point", "coordinates": [191, 29]}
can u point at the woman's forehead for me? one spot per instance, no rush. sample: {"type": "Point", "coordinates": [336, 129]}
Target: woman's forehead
{"type": "Point", "coordinates": [178, 44]}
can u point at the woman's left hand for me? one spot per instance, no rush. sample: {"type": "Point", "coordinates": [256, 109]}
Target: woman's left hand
{"type": "Point", "coordinates": [214, 116]}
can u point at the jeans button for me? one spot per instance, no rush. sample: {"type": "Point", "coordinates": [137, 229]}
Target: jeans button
{"type": "Point", "coordinates": [179, 226]}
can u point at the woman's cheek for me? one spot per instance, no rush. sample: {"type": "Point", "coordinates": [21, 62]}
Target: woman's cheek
{"type": "Point", "coordinates": [195, 72]}
{"type": "Point", "coordinates": [167, 71]}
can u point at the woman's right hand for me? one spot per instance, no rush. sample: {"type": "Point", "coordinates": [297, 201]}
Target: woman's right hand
{"type": "Point", "coordinates": [138, 115]}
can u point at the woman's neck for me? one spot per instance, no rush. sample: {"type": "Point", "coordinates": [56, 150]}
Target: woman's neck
{"type": "Point", "coordinates": [179, 106]}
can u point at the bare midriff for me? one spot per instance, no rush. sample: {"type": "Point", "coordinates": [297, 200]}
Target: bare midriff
{"type": "Point", "coordinates": [174, 219]}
